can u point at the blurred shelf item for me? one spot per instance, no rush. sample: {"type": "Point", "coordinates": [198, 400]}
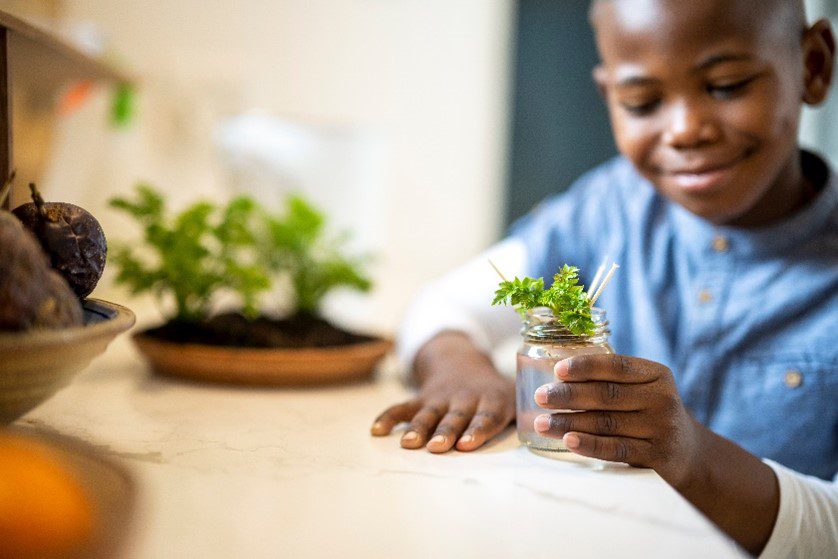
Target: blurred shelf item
{"type": "Point", "coordinates": [34, 65]}
{"type": "Point", "coordinates": [48, 59]}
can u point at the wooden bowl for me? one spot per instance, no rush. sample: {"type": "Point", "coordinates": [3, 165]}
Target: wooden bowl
{"type": "Point", "coordinates": [262, 366]}
{"type": "Point", "coordinates": [36, 364]}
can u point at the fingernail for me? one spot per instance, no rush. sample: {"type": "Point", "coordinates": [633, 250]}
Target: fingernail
{"type": "Point", "coordinates": [377, 426]}
{"type": "Point", "coordinates": [542, 423]}
{"type": "Point", "coordinates": [561, 368]}
{"type": "Point", "coordinates": [467, 438]}
{"type": "Point", "coordinates": [541, 395]}
{"type": "Point", "coordinates": [438, 439]}
{"type": "Point", "coordinates": [571, 440]}
{"type": "Point", "coordinates": [410, 436]}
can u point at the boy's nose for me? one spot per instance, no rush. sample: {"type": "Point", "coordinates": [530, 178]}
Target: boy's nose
{"type": "Point", "coordinates": [688, 127]}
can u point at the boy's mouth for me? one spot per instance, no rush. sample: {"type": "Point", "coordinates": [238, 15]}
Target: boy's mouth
{"type": "Point", "coordinates": [701, 178]}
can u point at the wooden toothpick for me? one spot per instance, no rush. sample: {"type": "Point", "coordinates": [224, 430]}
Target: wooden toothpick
{"type": "Point", "coordinates": [597, 276]}
{"type": "Point", "coordinates": [498, 271]}
{"type": "Point", "coordinates": [604, 283]}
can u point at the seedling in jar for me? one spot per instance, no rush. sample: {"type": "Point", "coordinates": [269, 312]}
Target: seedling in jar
{"type": "Point", "coordinates": [566, 298]}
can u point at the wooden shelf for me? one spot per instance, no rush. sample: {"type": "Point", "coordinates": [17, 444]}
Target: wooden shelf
{"type": "Point", "coordinates": [34, 44]}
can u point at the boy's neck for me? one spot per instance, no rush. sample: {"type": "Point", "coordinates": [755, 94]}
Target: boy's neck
{"type": "Point", "coordinates": [799, 183]}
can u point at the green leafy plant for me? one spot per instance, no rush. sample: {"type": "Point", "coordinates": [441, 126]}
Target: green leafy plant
{"type": "Point", "coordinates": [196, 255]}
{"type": "Point", "coordinates": [566, 299]}
{"type": "Point", "coordinates": [238, 249]}
{"type": "Point", "coordinates": [315, 263]}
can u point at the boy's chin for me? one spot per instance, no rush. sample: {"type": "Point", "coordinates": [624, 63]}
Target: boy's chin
{"type": "Point", "coordinates": [717, 214]}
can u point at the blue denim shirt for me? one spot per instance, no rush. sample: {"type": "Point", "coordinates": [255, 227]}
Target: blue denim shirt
{"type": "Point", "coordinates": [746, 319]}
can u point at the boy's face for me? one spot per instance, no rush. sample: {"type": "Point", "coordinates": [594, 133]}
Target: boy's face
{"type": "Point", "coordinates": [705, 98]}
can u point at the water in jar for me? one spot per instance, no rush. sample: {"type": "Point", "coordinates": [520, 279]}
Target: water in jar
{"type": "Point", "coordinates": [535, 369]}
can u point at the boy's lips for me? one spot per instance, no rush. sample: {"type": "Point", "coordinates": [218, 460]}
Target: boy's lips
{"type": "Point", "coordinates": [704, 178]}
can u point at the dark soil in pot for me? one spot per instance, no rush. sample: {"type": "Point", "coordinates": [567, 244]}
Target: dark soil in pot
{"type": "Point", "coordinates": [233, 329]}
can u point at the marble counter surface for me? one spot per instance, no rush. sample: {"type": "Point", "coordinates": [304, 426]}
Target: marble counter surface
{"type": "Point", "coordinates": [263, 473]}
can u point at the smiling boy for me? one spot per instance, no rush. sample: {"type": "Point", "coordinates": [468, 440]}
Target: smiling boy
{"type": "Point", "coordinates": [727, 234]}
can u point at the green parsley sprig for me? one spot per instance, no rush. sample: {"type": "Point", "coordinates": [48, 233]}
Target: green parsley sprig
{"type": "Point", "coordinates": [566, 299]}
{"type": "Point", "coordinates": [211, 251]}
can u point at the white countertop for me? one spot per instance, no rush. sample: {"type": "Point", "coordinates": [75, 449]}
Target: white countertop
{"type": "Point", "coordinates": [264, 473]}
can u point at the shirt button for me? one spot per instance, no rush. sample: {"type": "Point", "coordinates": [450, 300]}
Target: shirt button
{"type": "Point", "coordinates": [794, 378]}
{"type": "Point", "coordinates": [720, 243]}
{"type": "Point", "coordinates": [704, 296]}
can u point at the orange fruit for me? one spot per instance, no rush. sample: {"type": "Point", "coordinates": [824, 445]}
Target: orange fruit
{"type": "Point", "coordinates": [44, 511]}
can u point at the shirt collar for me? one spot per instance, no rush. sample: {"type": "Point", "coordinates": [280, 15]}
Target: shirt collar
{"type": "Point", "coordinates": [776, 238]}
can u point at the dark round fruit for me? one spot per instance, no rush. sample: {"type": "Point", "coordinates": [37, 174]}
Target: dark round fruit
{"type": "Point", "coordinates": [71, 236]}
{"type": "Point", "coordinates": [32, 294]}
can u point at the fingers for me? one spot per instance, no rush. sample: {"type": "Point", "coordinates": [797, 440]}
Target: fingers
{"type": "Point", "coordinates": [636, 452]}
{"type": "Point", "coordinates": [394, 415]}
{"type": "Point", "coordinates": [492, 416]}
{"type": "Point", "coordinates": [422, 424]}
{"type": "Point", "coordinates": [625, 424]}
{"type": "Point", "coordinates": [594, 396]}
{"type": "Point", "coordinates": [608, 367]}
{"type": "Point", "coordinates": [459, 414]}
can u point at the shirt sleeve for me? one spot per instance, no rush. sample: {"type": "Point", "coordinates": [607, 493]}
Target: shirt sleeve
{"type": "Point", "coordinates": [807, 522]}
{"type": "Point", "coordinates": [461, 300]}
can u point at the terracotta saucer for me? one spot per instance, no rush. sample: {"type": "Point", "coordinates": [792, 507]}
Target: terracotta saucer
{"type": "Point", "coordinates": [35, 364]}
{"type": "Point", "coordinates": [263, 366]}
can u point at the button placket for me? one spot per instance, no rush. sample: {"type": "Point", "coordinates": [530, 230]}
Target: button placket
{"type": "Point", "coordinates": [711, 286]}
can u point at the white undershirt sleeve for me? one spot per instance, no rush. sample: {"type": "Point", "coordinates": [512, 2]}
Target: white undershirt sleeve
{"type": "Point", "coordinates": [462, 301]}
{"type": "Point", "coordinates": [807, 523]}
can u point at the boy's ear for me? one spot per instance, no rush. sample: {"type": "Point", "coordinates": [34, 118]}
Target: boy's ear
{"type": "Point", "coordinates": [818, 59]}
{"type": "Point", "coordinates": [598, 73]}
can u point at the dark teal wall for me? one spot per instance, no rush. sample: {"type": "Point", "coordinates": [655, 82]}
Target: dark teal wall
{"type": "Point", "coordinates": [559, 124]}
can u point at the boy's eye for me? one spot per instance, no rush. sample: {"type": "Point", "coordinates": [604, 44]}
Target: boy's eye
{"type": "Point", "coordinates": [640, 109]}
{"type": "Point", "coordinates": [727, 90]}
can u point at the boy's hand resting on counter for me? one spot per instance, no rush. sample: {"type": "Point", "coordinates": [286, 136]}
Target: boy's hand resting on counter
{"type": "Point", "coordinates": [463, 400]}
{"type": "Point", "coordinates": [630, 412]}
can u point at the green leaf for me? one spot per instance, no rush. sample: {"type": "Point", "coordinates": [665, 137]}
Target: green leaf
{"type": "Point", "coordinates": [195, 255]}
{"type": "Point", "coordinates": [207, 250]}
{"type": "Point", "coordinates": [122, 107]}
{"type": "Point", "coordinates": [565, 298]}
{"type": "Point", "coordinates": [315, 263]}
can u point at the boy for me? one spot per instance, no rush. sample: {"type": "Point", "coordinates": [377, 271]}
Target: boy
{"type": "Point", "coordinates": [727, 234]}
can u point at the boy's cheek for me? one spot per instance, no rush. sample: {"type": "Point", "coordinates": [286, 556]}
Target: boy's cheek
{"type": "Point", "coordinates": [637, 145]}
{"type": "Point", "coordinates": [635, 138]}
{"type": "Point", "coordinates": [760, 116]}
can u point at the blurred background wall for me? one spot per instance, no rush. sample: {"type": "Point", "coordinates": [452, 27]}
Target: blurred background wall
{"type": "Point", "coordinates": [441, 120]}
{"type": "Point", "coordinates": [560, 127]}
{"type": "Point", "coordinates": [424, 82]}
{"type": "Point", "coordinates": [818, 129]}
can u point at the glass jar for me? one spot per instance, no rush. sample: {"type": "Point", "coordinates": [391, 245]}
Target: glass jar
{"type": "Point", "coordinates": [546, 342]}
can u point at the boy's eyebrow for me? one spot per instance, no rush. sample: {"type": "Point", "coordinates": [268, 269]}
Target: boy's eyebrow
{"type": "Point", "coordinates": [719, 58]}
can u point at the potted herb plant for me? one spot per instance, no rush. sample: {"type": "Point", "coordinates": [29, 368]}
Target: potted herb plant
{"type": "Point", "coordinates": [238, 252]}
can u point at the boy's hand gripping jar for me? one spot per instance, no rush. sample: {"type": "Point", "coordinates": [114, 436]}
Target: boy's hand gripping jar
{"type": "Point", "coordinates": [545, 342]}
